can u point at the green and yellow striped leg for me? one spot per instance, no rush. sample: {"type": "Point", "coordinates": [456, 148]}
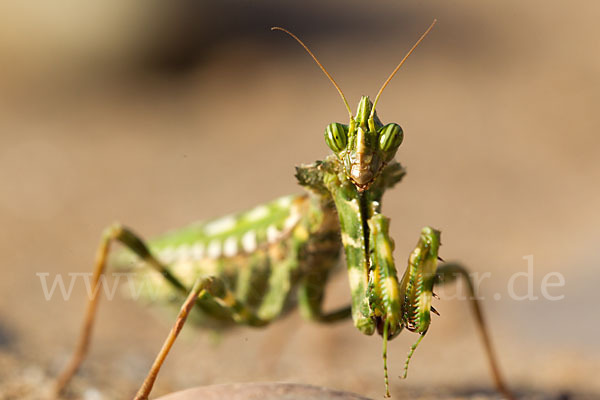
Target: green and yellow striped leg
{"type": "Point", "coordinates": [450, 272]}
{"type": "Point", "coordinates": [383, 284]}
{"type": "Point", "coordinates": [351, 217]}
{"type": "Point", "coordinates": [285, 262]}
{"type": "Point", "coordinates": [310, 300]}
{"type": "Point", "coordinates": [318, 263]}
{"type": "Point", "coordinates": [134, 243]}
{"type": "Point", "coordinates": [416, 287]}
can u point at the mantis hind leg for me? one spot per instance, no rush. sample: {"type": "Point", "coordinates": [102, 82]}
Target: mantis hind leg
{"type": "Point", "coordinates": [200, 286]}
{"type": "Point", "coordinates": [204, 287]}
{"type": "Point", "coordinates": [311, 291]}
{"type": "Point", "coordinates": [450, 272]}
{"type": "Point", "coordinates": [134, 243]}
{"type": "Point", "coordinates": [310, 300]}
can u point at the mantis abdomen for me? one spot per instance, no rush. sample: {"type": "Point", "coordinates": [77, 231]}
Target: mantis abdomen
{"type": "Point", "coordinates": [261, 256]}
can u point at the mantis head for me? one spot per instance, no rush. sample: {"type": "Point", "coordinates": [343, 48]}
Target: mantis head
{"type": "Point", "coordinates": [364, 146]}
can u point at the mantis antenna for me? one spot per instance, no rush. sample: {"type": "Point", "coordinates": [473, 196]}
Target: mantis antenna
{"type": "Point", "coordinates": [277, 28]}
{"type": "Point", "coordinates": [399, 65]}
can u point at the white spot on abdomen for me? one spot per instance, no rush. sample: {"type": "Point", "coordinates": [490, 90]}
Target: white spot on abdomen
{"type": "Point", "coordinates": [257, 213]}
{"type": "Point", "coordinates": [285, 201]}
{"type": "Point", "coordinates": [230, 247]}
{"type": "Point", "coordinates": [198, 251]}
{"type": "Point", "coordinates": [249, 241]}
{"type": "Point", "coordinates": [214, 249]}
{"type": "Point", "coordinates": [167, 255]}
{"type": "Point", "coordinates": [183, 252]}
{"type": "Point", "coordinates": [220, 225]}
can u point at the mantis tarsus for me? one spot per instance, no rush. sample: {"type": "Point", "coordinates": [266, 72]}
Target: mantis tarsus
{"type": "Point", "coordinates": [244, 268]}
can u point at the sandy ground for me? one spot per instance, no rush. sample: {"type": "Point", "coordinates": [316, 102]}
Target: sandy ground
{"type": "Point", "coordinates": [500, 112]}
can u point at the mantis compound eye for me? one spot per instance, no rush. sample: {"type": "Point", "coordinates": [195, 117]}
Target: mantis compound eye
{"type": "Point", "coordinates": [390, 137]}
{"type": "Point", "coordinates": [336, 136]}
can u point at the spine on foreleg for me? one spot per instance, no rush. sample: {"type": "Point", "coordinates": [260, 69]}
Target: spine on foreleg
{"type": "Point", "coordinates": [417, 282]}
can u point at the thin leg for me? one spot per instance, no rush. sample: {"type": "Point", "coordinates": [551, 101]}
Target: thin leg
{"type": "Point", "coordinates": [311, 291]}
{"type": "Point", "coordinates": [340, 314]}
{"type": "Point", "coordinates": [134, 243]}
{"type": "Point", "coordinates": [410, 354]}
{"type": "Point", "coordinates": [204, 287]}
{"type": "Point", "coordinates": [385, 368]}
{"type": "Point", "coordinates": [213, 288]}
{"type": "Point", "coordinates": [198, 289]}
{"type": "Point", "coordinates": [311, 307]}
{"type": "Point", "coordinates": [449, 272]}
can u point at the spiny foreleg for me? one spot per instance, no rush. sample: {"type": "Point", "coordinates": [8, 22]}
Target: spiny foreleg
{"type": "Point", "coordinates": [416, 287]}
{"type": "Point", "coordinates": [383, 290]}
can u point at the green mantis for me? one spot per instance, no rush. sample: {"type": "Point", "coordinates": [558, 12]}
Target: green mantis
{"type": "Point", "coordinates": [252, 267]}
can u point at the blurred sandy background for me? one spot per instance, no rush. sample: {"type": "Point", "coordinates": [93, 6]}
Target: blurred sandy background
{"type": "Point", "coordinates": [156, 115]}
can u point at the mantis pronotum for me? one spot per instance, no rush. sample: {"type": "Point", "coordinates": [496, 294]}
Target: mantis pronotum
{"type": "Point", "coordinates": [252, 267]}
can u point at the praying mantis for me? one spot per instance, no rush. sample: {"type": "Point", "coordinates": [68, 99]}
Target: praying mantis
{"type": "Point", "coordinates": [251, 268]}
